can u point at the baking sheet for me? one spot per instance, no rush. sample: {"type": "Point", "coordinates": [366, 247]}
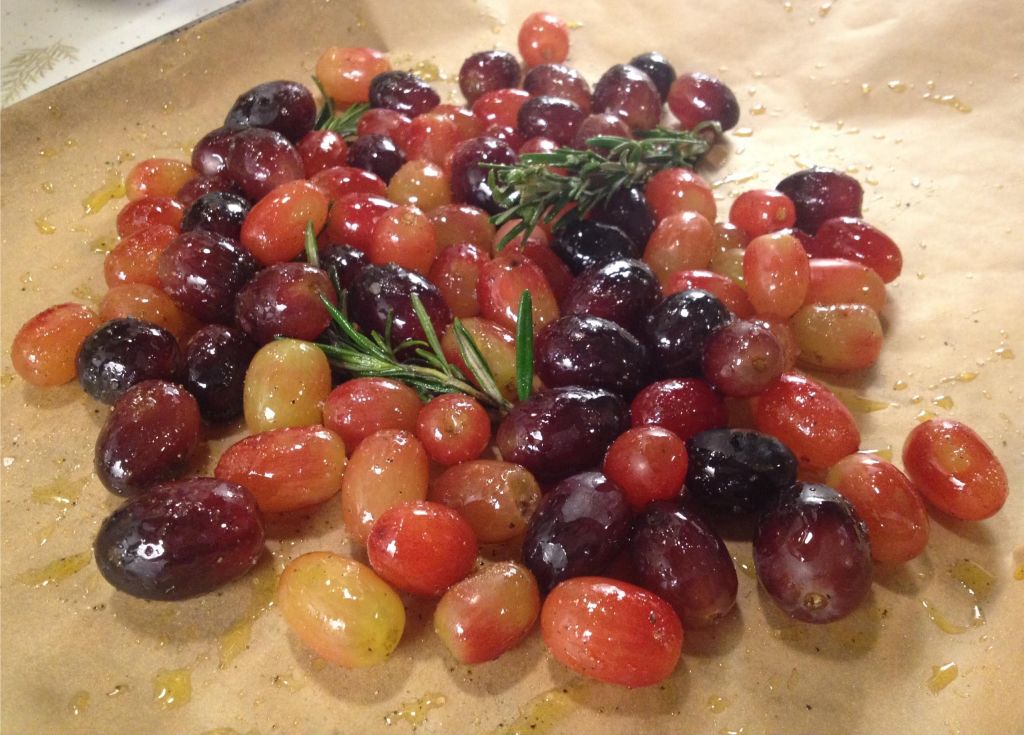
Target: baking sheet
{"type": "Point", "coordinates": [922, 101]}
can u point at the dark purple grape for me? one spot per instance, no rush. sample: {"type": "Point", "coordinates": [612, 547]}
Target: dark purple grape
{"type": "Point", "coordinates": [342, 263]}
{"type": "Point", "coordinates": [124, 352]}
{"type": "Point", "coordinates": [180, 540]}
{"type": "Point", "coordinates": [679, 557]}
{"type": "Point", "coordinates": [627, 209]}
{"type": "Point", "coordinates": [219, 212]}
{"type": "Point", "coordinates": [598, 124]}
{"type": "Point", "coordinates": [742, 358]}
{"type": "Point", "coordinates": [622, 291]}
{"type": "Point", "coordinates": [199, 186]}
{"type": "Point", "coordinates": [812, 554]}
{"type": "Point", "coordinates": [210, 155]}
{"type": "Point", "coordinates": [658, 69]}
{"type": "Point", "coordinates": [486, 71]}
{"type": "Point", "coordinates": [507, 135]}
{"type": "Point", "coordinates": [820, 194]}
{"type": "Point", "coordinates": [287, 107]}
{"type": "Point", "coordinates": [556, 80]}
{"type": "Point", "coordinates": [587, 244]}
{"type": "Point", "coordinates": [377, 154]}
{"type": "Point", "coordinates": [403, 92]}
{"type": "Point", "coordinates": [202, 272]}
{"type": "Point", "coordinates": [260, 160]}
{"type": "Point", "coordinates": [283, 300]}
{"type": "Point", "coordinates": [469, 177]}
{"type": "Point", "coordinates": [379, 290]}
{"type": "Point", "coordinates": [629, 94]}
{"type": "Point", "coordinates": [698, 98]}
{"type": "Point", "coordinates": [677, 329]}
{"type": "Point", "coordinates": [561, 431]}
{"type": "Point", "coordinates": [737, 470]}
{"type": "Point", "coordinates": [577, 530]}
{"type": "Point", "coordinates": [147, 438]}
{"type": "Point", "coordinates": [592, 353]}
{"type": "Point", "coordinates": [216, 358]}
{"type": "Point", "coordinates": [550, 117]}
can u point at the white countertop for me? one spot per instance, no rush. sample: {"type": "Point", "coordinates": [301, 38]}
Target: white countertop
{"type": "Point", "coordinates": [44, 42]}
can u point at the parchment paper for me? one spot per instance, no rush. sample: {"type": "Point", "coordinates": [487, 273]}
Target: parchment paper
{"type": "Point", "coordinates": [922, 101]}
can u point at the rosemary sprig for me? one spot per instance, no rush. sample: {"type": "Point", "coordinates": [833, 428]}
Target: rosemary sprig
{"type": "Point", "coordinates": [427, 371]}
{"type": "Point", "coordinates": [343, 123]}
{"type": "Point", "coordinates": [539, 187]}
{"type": "Point", "coordinates": [312, 251]}
{"type": "Point", "coordinates": [524, 347]}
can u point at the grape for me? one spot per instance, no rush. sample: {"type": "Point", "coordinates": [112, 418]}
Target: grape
{"type": "Point", "coordinates": [578, 529]}
{"type": "Point", "coordinates": [453, 428]}
{"type": "Point", "coordinates": [729, 292]}
{"type": "Point", "coordinates": [44, 349]}
{"type": "Point", "coordinates": [260, 160]}
{"type": "Point", "coordinates": [340, 609]}
{"type": "Point", "coordinates": [180, 540]}
{"type": "Point", "coordinates": [380, 290]}
{"type": "Point", "coordinates": [812, 554]}
{"type": "Point", "coordinates": [488, 613]}
{"type": "Point", "coordinates": [486, 71]}
{"type": "Point", "coordinates": [678, 328]}
{"type": "Point", "coordinates": [422, 184]}
{"type": "Point", "coordinates": [647, 463]}
{"type": "Point", "coordinates": [496, 498]}
{"type": "Point", "coordinates": [496, 343]}
{"type": "Point", "coordinates": [588, 244]}
{"type": "Point", "coordinates": [421, 547]}
{"type": "Point", "coordinates": [551, 117]}
{"type": "Point", "coordinates": [855, 239]}
{"type": "Point", "coordinates": [216, 358]}
{"type": "Point", "coordinates": [627, 209]}
{"type": "Point", "coordinates": [286, 384]}
{"type": "Point", "coordinates": [596, 125]}
{"type": "Point", "coordinates": [455, 224]}
{"type": "Point", "coordinates": [387, 468]}
{"type": "Point", "coordinates": [352, 218]}
{"type": "Point", "coordinates": [377, 154]}
{"type": "Point", "coordinates": [403, 92]}
{"type": "Point", "coordinates": [342, 263]}
{"type": "Point", "coordinates": [286, 107]}
{"type": "Point", "coordinates": [681, 241]}
{"type": "Point", "coordinates": [321, 150]}
{"type": "Point", "coordinates": [612, 631]}
{"type": "Point", "coordinates": [219, 212]}
{"type": "Point", "coordinates": [502, 283]}
{"type": "Point", "coordinates": [363, 406]}
{"type": "Point", "coordinates": [404, 236]}
{"type": "Point", "coordinates": [561, 431]}
{"type": "Point", "coordinates": [147, 212]}
{"type": "Point", "coordinates": [695, 98]}
{"type": "Point", "coordinates": [684, 406]}
{"type": "Point", "coordinates": [777, 274]}
{"type": "Point", "coordinates": [456, 272]}
{"type": "Point", "coordinates": [556, 80]}
{"type": "Point", "coordinates": [543, 39]}
{"type": "Point", "coordinates": [499, 108]}
{"type": "Point", "coordinates": [338, 181]}
{"type": "Point", "coordinates": [760, 211]}
{"type": "Point", "coordinates": [738, 470]}
{"type": "Point", "coordinates": [284, 300]}
{"type": "Point", "coordinates": [841, 281]}
{"type": "Point", "coordinates": [157, 177]}
{"type": "Point", "coordinates": [680, 558]}
{"type": "Point", "coordinates": [837, 337]}
{"type": "Point", "coordinates": [275, 229]}
{"type": "Point", "coordinates": [124, 352]}
{"type": "Point", "coordinates": [628, 93]}
{"type": "Point", "coordinates": [200, 185]}
{"type": "Point", "coordinates": [886, 500]}
{"type": "Point", "coordinates": [202, 272]}
{"type": "Point", "coordinates": [622, 291]}
{"type": "Point", "coordinates": [742, 358]}
{"type": "Point", "coordinates": [955, 470]}
{"type": "Point", "coordinates": [590, 352]}
{"type": "Point", "coordinates": [820, 194]}
{"type": "Point", "coordinates": [346, 73]}
{"type": "Point", "coordinates": [210, 155]}
{"type": "Point", "coordinates": [660, 71]}
{"type": "Point", "coordinates": [150, 304]}
{"type": "Point", "coordinates": [147, 438]}
{"type": "Point", "coordinates": [673, 190]}
{"type": "Point", "coordinates": [469, 177]}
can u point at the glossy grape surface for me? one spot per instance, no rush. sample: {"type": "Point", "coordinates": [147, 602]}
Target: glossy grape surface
{"type": "Point", "coordinates": [820, 194]}
{"type": "Point", "coordinates": [742, 358]}
{"type": "Point", "coordinates": [578, 529]}
{"type": "Point", "coordinates": [202, 272]}
{"type": "Point", "coordinates": [658, 68]}
{"type": "Point", "coordinates": [359, 407]}
{"type": "Point", "coordinates": [284, 300]}
{"type": "Point", "coordinates": [219, 212]}
{"type": "Point", "coordinates": [287, 107]}
{"type": "Point", "coordinates": [403, 92]}
{"type": "Point", "coordinates": [180, 540]}
{"type": "Point", "coordinates": [469, 177]}
{"type": "Point", "coordinates": [696, 98]}
{"type": "Point", "coordinates": [216, 358]}
{"type": "Point", "coordinates": [486, 71]}
{"type": "Point", "coordinates": [629, 94]}
{"type": "Point", "coordinates": [124, 352]}
{"type": "Point", "coordinates": [379, 290]}
{"type": "Point", "coordinates": [260, 160]}
{"type": "Point", "coordinates": [561, 431]}
{"type": "Point", "coordinates": [45, 348]}
{"type": "Point", "coordinates": [589, 244]}
{"type": "Point", "coordinates": [647, 463]}
{"type": "Point", "coordinates": [496, 498]}
{"type": "Point", "coordinates": [678, 328]}
{"type": "Point", "coordinates": [685, 406]}
{"type": "Point", "coordinates": [738, 470]}
{"type": "Point", "coordinates": [590, 352]}
{"type": "Point", "coordinates": [286, 384]}
{"type": "Point", "coordinates": [812, 554]}
{"type": "Point", "coordinates": [621, 291]}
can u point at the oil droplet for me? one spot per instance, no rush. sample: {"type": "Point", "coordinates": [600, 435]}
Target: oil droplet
{"type": "Point", "coordinates": [948, 100]}
{"type": "Point", "coordinates": [897, 86]}
{"type": "Point", "coordinates": [900, 385]}
{"type": "Point", "coordinates": [540, 714]}
{"type": "Point", "coordinates": [47, 186]}
{"type": "Point", "coordinates": [574, 25]}
{"type": "Point", "coordinates": [79, 702]}
{"type": "Point", "coordinates": [287, 681]}
{"type": "Point", "coordinates": [924, 415]}
{"type": "Point", "coordinates": [758, 109]}
{"type": "Point", "coordinates": [101, 244]}
{"type": "Point", "coordinates": [118, 690]}
{"type": "Point", "coordinates": [47, 152]}
{"type": "Point", "coordinates": [943, 401]}
{"type": "Point", "coordinates": [974, 577]}
{"type": "Point", "coordinates": [742, 132]}
{"type": "Point", "coordinates": [717, 704]}
{"type": "Point", "coordinates": [263, 583]}
{"type": "Point", "coordinates": [428, 71]}
{"type": "Point", "coordinates": [787, 6]}
{"type": "Point", "coordinates": [112, 188]}
{"type": "Point", "coordinates": [745, 565]}
{"type": "Point", "coordinates": [86, 293]}
{"type": "Point", "coordinates": [415, 712]}
{"type": "Point", "coordinates": [44, 226]}
{"type": "Point", "coordinates": [942, 676]}
{"type": "Point", "coordinates": [865, 88]}
{"type": "Point", "coordinates": [824, 9]}
{"type": "Point", "coordinates": [63, 491]}
{"type": "Point", "coordinates": [815, 601]}
{"type": "Point", "coordinates": [6, 380]}
{"type": "Point", "coordinates": [56, 571]}
{"type": "Point", "coordinates": [941, 621]}
{"type": "Point", "coordinates": [858, 403]}
{"type": "Point", "coordinates": [883, 453]}
{"type": "Point", "coordinates": [172, 687]}
{"type": "Point", "coordinates": [1004, 353]}
{"type": "Point", "coordinates": [1018, 573]}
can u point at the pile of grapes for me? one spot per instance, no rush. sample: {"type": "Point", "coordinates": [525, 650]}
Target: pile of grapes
{"type": "Point", "coordinates": [516, 322]}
